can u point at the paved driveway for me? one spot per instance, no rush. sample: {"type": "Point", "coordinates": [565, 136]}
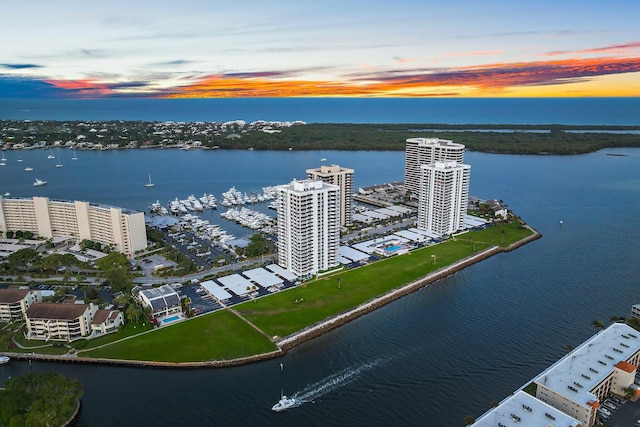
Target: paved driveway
{"type": "Point", "coordinates": [625, 416]}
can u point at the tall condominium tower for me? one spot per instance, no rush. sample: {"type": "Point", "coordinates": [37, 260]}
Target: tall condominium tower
{"type": "Point", "coordinates": [123, 229]}
{"type": "Point", "coordinates": [424, 151]}
{"type": "Point", "coordinates": [343, 178]}
{"type": "Point", "coordinates": [443, 197]}
{"type": "Point", "coordinates": [308, 226]}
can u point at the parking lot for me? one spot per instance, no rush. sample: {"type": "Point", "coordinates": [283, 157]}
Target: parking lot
{"type": "Point", "coordinates": [617, 412]}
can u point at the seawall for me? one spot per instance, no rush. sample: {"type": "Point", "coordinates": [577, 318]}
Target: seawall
{"type": "Point", "coordinates": [291, 341]}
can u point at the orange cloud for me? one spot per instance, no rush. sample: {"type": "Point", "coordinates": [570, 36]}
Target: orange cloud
{"type": "Point", "coordinates": [537, 78]}
{"type": "Point", "coordinates": [429, 82]}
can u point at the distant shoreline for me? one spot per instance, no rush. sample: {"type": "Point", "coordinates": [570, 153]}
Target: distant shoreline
{"type": "Point", "coordinates": [300, 136]}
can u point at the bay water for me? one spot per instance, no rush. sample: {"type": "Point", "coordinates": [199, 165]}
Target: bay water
{"type": "Point", "coordinates": [428, 359]}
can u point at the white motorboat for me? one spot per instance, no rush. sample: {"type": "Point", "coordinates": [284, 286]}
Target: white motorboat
{"type": "Point", "coordinates": [4, 359]}
{"type": "Point", "coordinates": [28, 168]}
{"type": "Point", "coordinates": [39, 183]}
{"type": "Point", "coordinates": [284, 403]}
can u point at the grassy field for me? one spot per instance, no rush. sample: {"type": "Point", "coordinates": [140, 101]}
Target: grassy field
{"type": "Point", "coordinates": [216, 336]}
{"type": "Point", "coordinates": [285, 313]}
{"type": "Point", "coordinates": [223, 335]}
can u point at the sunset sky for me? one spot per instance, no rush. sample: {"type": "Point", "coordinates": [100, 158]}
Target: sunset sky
{"type": "Point", "coordinates": [354, 48]}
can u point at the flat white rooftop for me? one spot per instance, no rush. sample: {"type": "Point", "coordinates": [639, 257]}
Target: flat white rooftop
{"type": "Point", "coordinates": [521, 410]}
{"type": "Point", "coordinates": [375, 215]}
{"type": "Point", "coordinates": [388, 212]}
{"type": "Point", "coordinates": [282, 272]}
{"type": "Point", "coordinates": [424, 233]}
{"type": "Point", "coordinates": [352, 254]}
{"type": "Point", "coordinates": [262, 277]}
{"type": "Point", "coordinates": [236, 284]}
{"type": "Point", "coordinates": [590, 363]}
{"type": "Point", "coordinates": [362, 218]}
{"type": "Point", "coordinates": [215, 290]}
{"type": "Point", "coordinates": [414, 237]}
{"type": "Point", "coordinates": [474, 221]}
{"type": "Point", "coordinates": [400, 209]}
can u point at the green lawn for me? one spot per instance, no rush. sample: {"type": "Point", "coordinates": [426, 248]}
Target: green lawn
{"type": "Point", "coordinates": [127, 330]}
{"type": "Point", "coordinates": [216, 336]}
{"type": "Point", "coordinates": [222, 335]}
{"type": "Point", "coordinates": [285, 313]}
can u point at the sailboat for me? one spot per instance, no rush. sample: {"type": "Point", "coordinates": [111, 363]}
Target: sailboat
{"type": "Point", "coordinates": [75, 157]}
{"type": "Point", "coordinates": [59, 164]}
{"type": "Point", "coordinates": [3, 159]}
{"type": "Point", "coordinates": [285, 402]}
{"type": "Point", "coordinates": [149, 184]}
{"type": "Point", "coordinates": [19, 158]}
{"type": "Point", "coordinates": [51, 156]}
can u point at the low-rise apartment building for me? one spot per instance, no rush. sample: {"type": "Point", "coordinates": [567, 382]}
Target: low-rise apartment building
{"type": "Point", "coordinates": [15, 302]}
{"type": "Point", "coordinates": [105, 321]}
{"type": "Point", "coordinates": [521, 409]}
{"type": "Point", "coordinates": [59, 322]}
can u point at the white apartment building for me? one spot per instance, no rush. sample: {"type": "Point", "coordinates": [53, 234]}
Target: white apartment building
{"type": "Point", "coordinates": [308, 226]}
{"type": "Point", "coordinates": [15, 302]}
{"type": "Point", "coordinates": [521, 410]}
{"type": "Point", "coordinates": [123, 229]}
{"type": "Point", "coordinates": [162, 301]}
{"type": "Point", "coordinates": [59, 322]}
{"type": "Point", "coordinates": [424, 151]}
{"type": "Point", "coordinates": [443, 196]}
{"type": "Point", "coordinates": [343, 178]}
{"type": "Point", "coordinates": [604, 364]}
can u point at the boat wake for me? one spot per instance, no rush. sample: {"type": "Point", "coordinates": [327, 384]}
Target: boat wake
{"type": "Point", "coordinates": [331, 383]}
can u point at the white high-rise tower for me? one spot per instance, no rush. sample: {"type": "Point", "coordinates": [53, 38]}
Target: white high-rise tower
{"type": "Point", "coordinates": [343, 178]}
{"type": "Point", "coordinates": [424, 151]}
{"type": "Point", "coordinates": [443, 197]}
{"type": "Point", "coordinates": [308, 226]}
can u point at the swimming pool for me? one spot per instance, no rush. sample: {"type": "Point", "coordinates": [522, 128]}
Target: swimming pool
{"type": "Point", "coordinates": [392, 248]}
{"type": "Point", "coordinates": [170, 319]}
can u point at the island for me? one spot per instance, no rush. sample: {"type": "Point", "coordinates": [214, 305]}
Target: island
{"type": "Point", "coordinates": [297, 135]}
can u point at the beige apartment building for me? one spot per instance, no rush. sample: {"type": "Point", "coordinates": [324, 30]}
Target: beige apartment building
{"type": "Point", "coordinates": [343, 178]}
{"type": "Point", "coordinates": [122, 229]}
{"type": "Point", "coordinates": [15, 302]}
{"type": "Point", "coordinates": [604, 364]}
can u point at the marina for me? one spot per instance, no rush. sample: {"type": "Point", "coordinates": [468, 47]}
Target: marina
{"type": "Point", "coordinates": [422, 340]}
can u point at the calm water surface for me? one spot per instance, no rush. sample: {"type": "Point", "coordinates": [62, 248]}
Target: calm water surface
{"type": "Point", "coordinates": [430, 358]}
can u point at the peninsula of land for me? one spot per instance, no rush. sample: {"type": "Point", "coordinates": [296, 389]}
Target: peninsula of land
{"type": "Point", "coordinates": [268, 327]}
{"type": "Point", "coordinates": [297, 135]}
